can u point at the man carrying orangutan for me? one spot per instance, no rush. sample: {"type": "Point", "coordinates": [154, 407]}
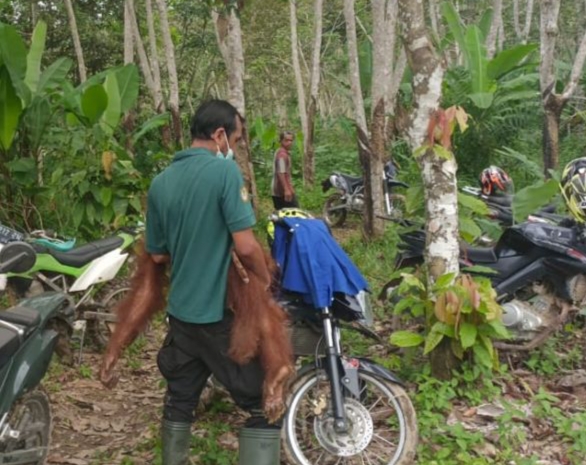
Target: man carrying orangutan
{"type": "Point", "coordinates": [198, 212]}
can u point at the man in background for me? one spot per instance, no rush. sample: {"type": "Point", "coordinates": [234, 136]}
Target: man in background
{"type": "Point", "coordinates": [281, 186]}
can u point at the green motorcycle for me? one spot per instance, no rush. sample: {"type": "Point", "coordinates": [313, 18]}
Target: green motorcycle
{"type": "Point", "coordinates": [27, 343]}
{"type": "Point", "coordinates": [88, 275]}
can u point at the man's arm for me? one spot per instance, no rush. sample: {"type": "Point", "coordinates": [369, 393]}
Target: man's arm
{"type": "Point", "coordinates": [287, 188]}
{"type": "Point", "coordinates": [251, 254]}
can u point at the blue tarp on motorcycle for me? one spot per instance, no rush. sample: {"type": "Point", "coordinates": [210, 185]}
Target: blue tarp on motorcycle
{"type": "Point", "coordinates": [312, 263]}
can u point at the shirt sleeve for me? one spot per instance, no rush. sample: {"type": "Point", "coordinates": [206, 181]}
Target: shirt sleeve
{"type": "Point", "coordinates": [281, 162]}
{"type": "Point", "coordinates": [156, 242]}
{"type": "Point", "coordinates": [235, 200]}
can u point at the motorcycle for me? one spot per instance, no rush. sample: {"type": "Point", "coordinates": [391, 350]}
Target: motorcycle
{"type": "Point", "coordinates": [538, 273]}
{"type": "Point", "coordinates": [341, 408]}
{"type": "Point", "coordinates": [349, 197]}
{"type": "Point", "coordinates": [27, 342]}
{"type": "Point", "coordinates": [86, 274]}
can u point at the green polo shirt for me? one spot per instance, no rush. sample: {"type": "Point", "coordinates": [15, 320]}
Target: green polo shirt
{"type": "Point", "coordinates": [193, 207]}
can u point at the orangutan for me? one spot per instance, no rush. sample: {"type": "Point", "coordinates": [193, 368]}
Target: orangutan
{"type": "Point", "coordinates": [259, 327]}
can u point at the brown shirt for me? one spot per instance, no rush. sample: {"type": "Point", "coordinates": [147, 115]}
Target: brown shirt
{"type": "Point", "coordinates": [282, 165]}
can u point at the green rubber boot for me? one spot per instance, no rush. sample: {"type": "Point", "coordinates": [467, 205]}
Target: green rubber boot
{"type": "Point", "coordinates": [259, 446]}
{"type": "Point", "coordinates": [176, 440]}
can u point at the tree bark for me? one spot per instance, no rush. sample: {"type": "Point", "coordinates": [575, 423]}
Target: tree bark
{"type": "Point", "coordinates": [229, 35]}
{"type": "Point", "coordinates": [522, 34]}
{"type": "Point", "coordinates": [154, 58]}
{"type": "Point", "coordinates": [301, 102]}
{"type": "Point", "coordinates": [171, 71]}
{"type": "Point", "coordinates": [438, 174]}
{"type": "Point", "coordinates": [553, 103]}
{"type": "Point", "coordinates": [309, 156]}
{"type": "Point", "coordinates": [497, 20]}
{"type": "Point", "coordinates": [76, 41]}
{"type": "Point", "coordinates": [128, 42]}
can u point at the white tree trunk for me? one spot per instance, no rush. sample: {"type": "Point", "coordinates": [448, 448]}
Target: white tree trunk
{"type": "Point", "coordinates": [229, 35]}
{"type": "Point", "coordinates": [528, 20]}
{"type": "Point", "coordinates": [433, 16]}
{"type": "Point", "coordinates": [297, 71]}
{"type": "Point", "coordinates": [438, 174]}
{"type": "Point", "coordinates": [141, 52]}
{"type": "Point", "coordinates": [522, 34]}
{"type": "Point", "coordinates": [154, 58]}
{"type": "Point", "coordinates": [548, 34]}
{"type": "Point", "coordinates": [497, 19]}
{"type": "Point", "coordinates": [171, 71]}
{"type": "Point", "coordinates": [76, 41]}
{"type": "Point", "coordinates": [397, 77]}
{"type": "Point", "coordinates": [128, 42]}
{"type": "Point", "coordinates": [309, 161]}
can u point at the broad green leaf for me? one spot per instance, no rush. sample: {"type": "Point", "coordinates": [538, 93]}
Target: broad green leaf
{"type": "Point", "coordinates": [56, 175]}
{"type": "Point", "coordinates": [442, 152]}
{"type": "Point", "coordinates": [35, 53]}
{"type": "Point", "coordinates": [431, 341]}
{"type": "Point", "coordinates": [508, 59]}
{"type": "Point", "coordinates": [128, 84]}
{"type": "Point", "coordinates": [13, 52]}
{"type": "Point", "coordinates": [443, 328]}
{"type": "Point", "coordinates": [479, 269]}
{"type": "Point", "coordinates": [90, 211]}
{"type": "Point", "coordinates": [406, 339]}
{"type": "Point", "coordinates": [504, 97]}
{"type": "Point", "coordinates": [78, 213]}
{"type": "Point", "coordinates": [528, 165]}
{"type": "Point", "coordinates": [482, 100]}
{"type": "Point", "coordinates": [10, 109]}
{"type": "Point", "coordinates": [120, 206]}
{"type": "Point", "coordinates": [106, 196]}
{"type": "Point", "coordinates": [37, 118]}
{"type": "Point", "coordinates": [111, 117]}
{"type": "Point", "coordinates": [54, 75]}
{"type": "Point", "coordinates": [107, 215]}
{"type": "Point", "coordinates": [467, 334]}
{"type": "Point", "coordinates": [94, 102]}
{"type": "Point", "coordinates": [365, 64]}
{"type": "Point", "coordinates": [523, 81]}
{"type": "Point", "coordinates": [499, 329]}
{"type": "Point", "coordinates": [468, 228]}
{"type": "Point", "coordinates": [444, 280]}
{"type": "Point", "coordinates": [476, 52]}
{"type": "Point", "coordinates": [21, 165]}
{"type": "Point", "coordinates": [531, 198]}
{"type": "Point", "coordinates": [485, 22]}
{"type": "Point", "coordinates": [473, 203]}
{"type": "Point", "coordinates": [403, 304]}
{"type": "Point", "coordinates": [454, 23]}
{"type": "Point", "coordinates": [482, 355]}
{"type": "Point", "coordinates": [412, 281]}
{"type": "Point", "coordinates": [153, 123]}
{"type": "Point", "coordinates": [135, 203]}
{"type": "Point", "coordinates": [413, 199]}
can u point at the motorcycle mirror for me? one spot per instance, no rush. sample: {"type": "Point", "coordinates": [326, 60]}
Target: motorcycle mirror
{"type": "Point", "coordinates": [17, 257]}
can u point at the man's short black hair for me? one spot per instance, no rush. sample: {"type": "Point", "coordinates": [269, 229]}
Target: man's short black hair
{"type": "Point", "coordinates": [212, 115]}
{"type": "Point", "coordinates": [285, 134]}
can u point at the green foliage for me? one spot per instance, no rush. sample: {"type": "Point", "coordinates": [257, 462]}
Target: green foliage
{"type": "Point", "coordinates": [464, 310]}
{"type": "Point", "coordinates": [531, 198]}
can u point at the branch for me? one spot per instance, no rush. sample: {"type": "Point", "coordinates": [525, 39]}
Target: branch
{"type": "Point", "coordinates": [576, 69]}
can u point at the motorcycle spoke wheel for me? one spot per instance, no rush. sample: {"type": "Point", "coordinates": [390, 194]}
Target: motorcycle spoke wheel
{"type": "Point", "coordinates": [382, 424]}
{"type": "Point", "coordinates": [31, 417]}
{"type": "Point", "coordinates": [333, 215]}
{"type": "Point", "coordinates": [101, 330]}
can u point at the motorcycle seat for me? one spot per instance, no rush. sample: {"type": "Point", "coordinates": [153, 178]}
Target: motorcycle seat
{"type": "Point", "coordinates": [352, 181]}
{"type": "Point", "coordinates": [21, 316]}
{"type": "Point", "coordinates": [478, 255]}
{"type": "Point", "coordinates": [84, 254]}
{"type": "Point", "coordinates": [9, 344]}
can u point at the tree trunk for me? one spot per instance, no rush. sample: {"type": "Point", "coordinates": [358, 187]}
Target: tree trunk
{"type": "Point", "coordinates": [298, 75]}
{"type": "Point", "coordinates": [128, 42]}
{"type": "Point", "coordinates": [438, 174]}
{"type": "Point", "coordinates": [308, 159]}
{"type": "Point", "coordinates": [76, 41]}
{"type": "Point", "coordinates": [229, 35]}
{"type": "Point", "coordinates": [553, 103]}
{"type": "Point", "coordinates": [497, 19]}
{"type": "Point", "coordinates": [381, 71]}
{"type": "Point", "coordinates": [154, 57]}
{"type": "Point", "coordinates": [171, 71]}
{"type": "Point", "coordinates": [522, 34]}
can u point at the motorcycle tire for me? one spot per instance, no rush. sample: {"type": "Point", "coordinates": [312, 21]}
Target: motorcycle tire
{"type": "Point", "coordinates": [337, 217]}
{"type": "Point", "coordinates": [309, 437]}
{"type": "Point", "coordinates": [31, 417]}
{"type": "Point", "coordinates": [101, 330]}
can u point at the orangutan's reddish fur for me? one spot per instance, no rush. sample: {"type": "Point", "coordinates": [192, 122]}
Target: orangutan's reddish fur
{"type": "Point", "coordinates": [259, 329]}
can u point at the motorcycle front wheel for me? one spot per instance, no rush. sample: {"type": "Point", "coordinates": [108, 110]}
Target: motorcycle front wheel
{"type": "Point", "coordinates": [334, 214]}
{"type": "Point", "coordinates": [31, 417]}
{"type": "Point", "coordinates": [382, 427]}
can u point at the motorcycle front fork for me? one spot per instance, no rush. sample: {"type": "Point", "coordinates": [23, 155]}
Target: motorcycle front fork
{"type": "Point", "coordinates": [333, 365]}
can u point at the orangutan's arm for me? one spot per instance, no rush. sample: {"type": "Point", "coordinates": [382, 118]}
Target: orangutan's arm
{"type": "Point", "coordinates": [160, 259]}
{"type": "Point", "coordinates": [251, 254]}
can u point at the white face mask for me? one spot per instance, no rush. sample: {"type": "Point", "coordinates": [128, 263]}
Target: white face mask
{"type": "Point", "coordinates": [229, 155]}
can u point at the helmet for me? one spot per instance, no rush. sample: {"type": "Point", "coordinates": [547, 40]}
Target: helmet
{"type": "Point", "coordinates": [495, 181]}
{"type": "Point", "coordinates": [573, 186]}
{"type": "Point", "coordinates": [284, 213]}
